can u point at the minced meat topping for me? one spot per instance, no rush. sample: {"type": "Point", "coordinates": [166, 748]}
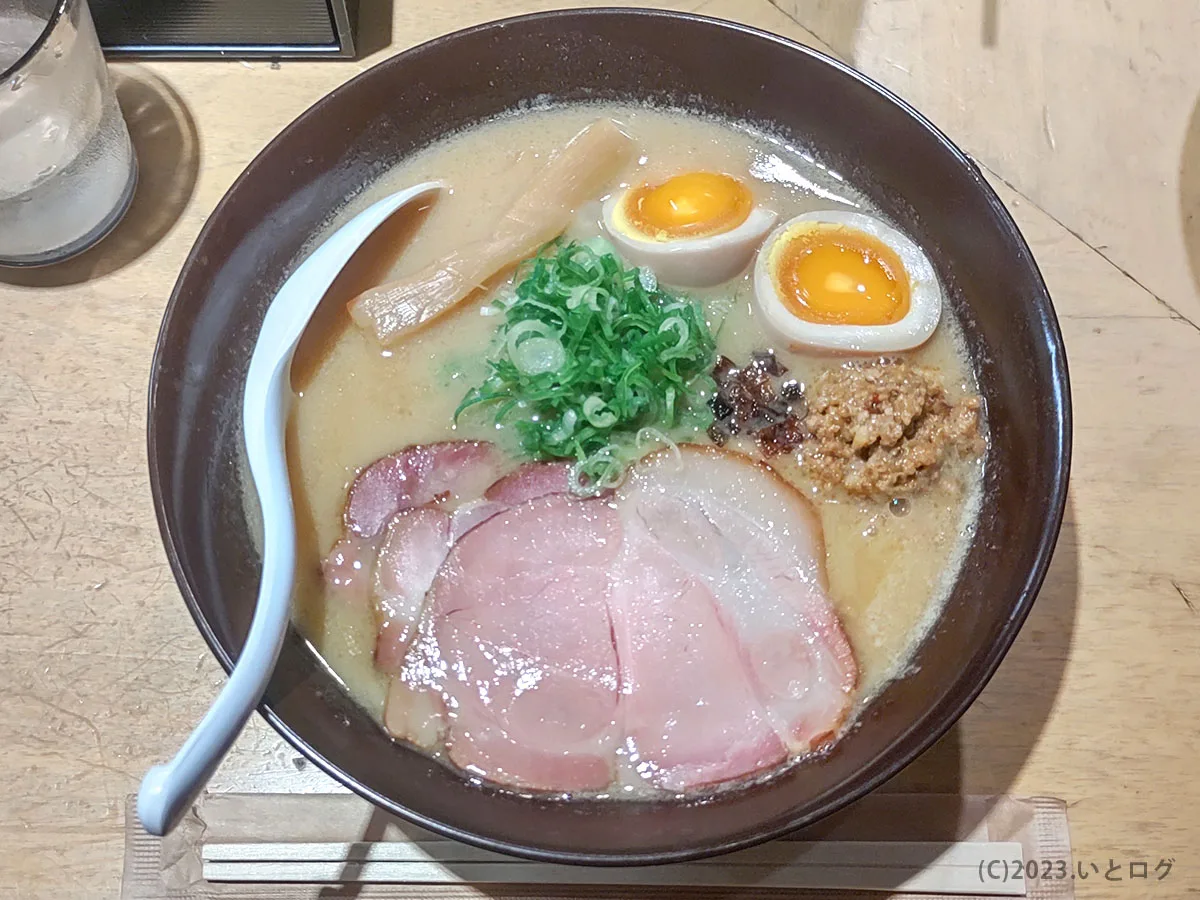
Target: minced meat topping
{"type": "Point", "coordinates": [880, 429]}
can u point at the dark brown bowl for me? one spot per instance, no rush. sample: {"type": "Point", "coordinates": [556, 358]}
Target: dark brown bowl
{"type": "Point", "coordinates": [252, 241]}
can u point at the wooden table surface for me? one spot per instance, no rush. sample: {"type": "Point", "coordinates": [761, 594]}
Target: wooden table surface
{"type": "Point", "coordinates": [1084, 113]}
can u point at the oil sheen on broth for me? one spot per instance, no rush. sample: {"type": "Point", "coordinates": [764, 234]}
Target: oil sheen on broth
{"type": "Point", "coordinates": [889, 574]}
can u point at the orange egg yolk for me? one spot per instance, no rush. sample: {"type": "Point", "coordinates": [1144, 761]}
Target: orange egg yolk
{"type": "Point", "coordinates": [694, 204]}
{"type": "Point", "coordinates": [835, 275]}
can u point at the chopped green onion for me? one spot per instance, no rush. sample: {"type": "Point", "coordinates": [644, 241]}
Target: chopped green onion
{"type": "Point", "coordinates": [539, 354]}
{"type": "Point", "coordinates": [601, 471]}
{"type": "Point", "coordinates": [590, 354]}
{"type": "Point", "coordinates": [596, 414]}
{"type": "Point", "coordinates": [528, 328]}
{"type": "Point", "coordinates": [647, 436]}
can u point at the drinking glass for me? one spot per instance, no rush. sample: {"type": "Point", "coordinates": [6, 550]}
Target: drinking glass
{"type": "Point", "coordinates": [67, 167]}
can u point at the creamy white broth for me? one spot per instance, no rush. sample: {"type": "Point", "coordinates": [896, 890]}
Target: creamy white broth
{"type": "Point", "coordinates": [889, 575]}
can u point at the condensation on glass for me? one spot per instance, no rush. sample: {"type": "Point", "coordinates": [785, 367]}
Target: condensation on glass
{"type": "Point", "coordinates": [67, 167]}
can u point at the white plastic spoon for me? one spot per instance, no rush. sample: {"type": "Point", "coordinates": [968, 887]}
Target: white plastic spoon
{"type": "Point", "coordinates": [169, 790]}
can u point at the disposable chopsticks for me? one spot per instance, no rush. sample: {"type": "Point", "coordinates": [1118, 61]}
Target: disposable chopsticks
{"type": "Point", "coordinates": [922, 867]}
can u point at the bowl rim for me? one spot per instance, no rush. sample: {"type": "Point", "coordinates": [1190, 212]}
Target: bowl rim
{"type": "Point", "coordinates": [922, 733]}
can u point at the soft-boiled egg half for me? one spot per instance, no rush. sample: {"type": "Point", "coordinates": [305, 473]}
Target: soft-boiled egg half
{"type": "Point", "coordinates": [846, 281]}
{"type": "Point", "coordinates": [696, 229]}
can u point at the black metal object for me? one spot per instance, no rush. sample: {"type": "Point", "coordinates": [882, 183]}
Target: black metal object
{"type": "Point", "coordinates": [274, 29]}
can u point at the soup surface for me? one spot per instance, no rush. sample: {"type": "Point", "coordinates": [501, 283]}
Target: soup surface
{"type": "Point", "coordinates": [890, 556]}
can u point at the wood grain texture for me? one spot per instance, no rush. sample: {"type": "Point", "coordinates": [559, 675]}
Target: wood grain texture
{"type": "Point", "coordinates": [1099, 700]}
{"type": "Point", "coordinates": [1090, 107]}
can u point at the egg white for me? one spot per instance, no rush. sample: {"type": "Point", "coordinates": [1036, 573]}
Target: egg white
{"type": "Point", "coordinates": [693, 262]}
{"type": "Point", "coordinates": [917, 326]}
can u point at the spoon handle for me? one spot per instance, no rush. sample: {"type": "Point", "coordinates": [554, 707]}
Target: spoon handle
{"type": "Point", "coordinates": [169, 790]}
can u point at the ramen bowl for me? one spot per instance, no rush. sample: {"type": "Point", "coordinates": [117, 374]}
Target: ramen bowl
{"type": "Point", "coordinates": [914, 174]}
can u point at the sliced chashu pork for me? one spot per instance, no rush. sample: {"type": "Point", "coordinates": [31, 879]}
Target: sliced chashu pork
{"type": "Point", "coordinates": [517, 643]}
{"type": "Point", "coordinates": [417, 541]}
{"type": "Point", "coordinates": [528, 482]}
{"type": "Point", "coordinates": [414, 547]}
{"type": "Point", "coordinates": [700, 590]}
{"type": "Point", "coordinates": [449, 473]}
{"type": "Point", "coordinates": [754, 545]}
{"type": "Point", "coordinates": [689, 714]}
{"type": "Point", "coordinates": [402, 514]}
